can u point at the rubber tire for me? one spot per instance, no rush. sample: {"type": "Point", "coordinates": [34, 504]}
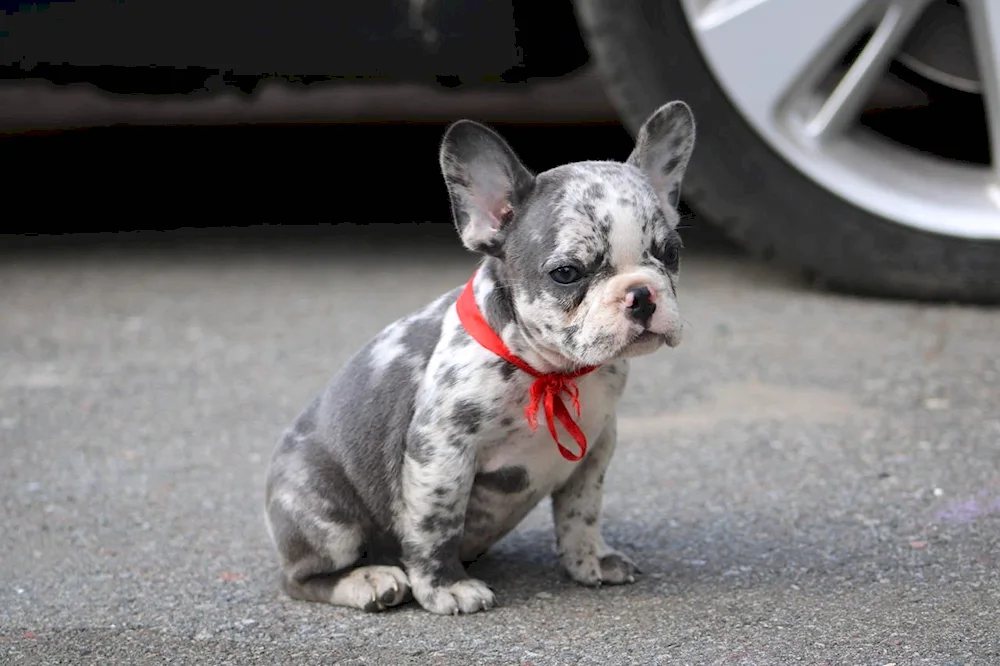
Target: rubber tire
{"type": "Point", "coordinates": [646, 56]}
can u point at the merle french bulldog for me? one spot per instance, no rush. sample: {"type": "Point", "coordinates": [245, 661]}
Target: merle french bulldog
{"type": "Point", "coordinates": [426, 448]}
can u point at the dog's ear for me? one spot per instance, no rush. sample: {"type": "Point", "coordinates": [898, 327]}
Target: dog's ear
{"type": "Point", "coordinates": [486, 182]}
{"type": "Point", "coordinates": [663, 148]}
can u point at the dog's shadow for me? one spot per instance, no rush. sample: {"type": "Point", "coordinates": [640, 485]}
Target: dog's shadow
{"type": "Point", "coordinates": [749, 549]}
{"type": "Point", "coordinates": [521, 565]}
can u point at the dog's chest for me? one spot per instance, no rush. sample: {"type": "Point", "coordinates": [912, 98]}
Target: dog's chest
{"type": "Point", "coordinates": [517, 445]}
{"type": "Point", "coordinates": [517, 467]}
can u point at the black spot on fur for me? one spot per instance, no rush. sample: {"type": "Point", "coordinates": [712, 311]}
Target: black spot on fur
{"type": "Point", "coordinates": [447, 377]}
{"type": "Point", "coordinates": [594, 191]}
{"type": "Point", "coordinates": [507, 370]}
{"type": "Point", "coordinates": [586, 209]}
{"type": "Point", "coordinates": [468, 416]}
{"type": "Point", "coordinates": [508, 480]}
{"type": "Point", "coordinates": [441, 523]}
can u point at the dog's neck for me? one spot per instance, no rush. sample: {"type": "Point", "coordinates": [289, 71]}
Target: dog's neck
{"type": "Point", "coordinates": [496, 302]}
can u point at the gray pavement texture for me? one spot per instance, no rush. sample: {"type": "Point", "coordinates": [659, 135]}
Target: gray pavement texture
{"type": "Point", "coordinates": [810, 478]}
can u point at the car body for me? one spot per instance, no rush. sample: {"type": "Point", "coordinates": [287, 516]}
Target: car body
{"type": "Point", "coordinates": [851, 138]}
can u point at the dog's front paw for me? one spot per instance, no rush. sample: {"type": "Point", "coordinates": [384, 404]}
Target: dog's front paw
{"type": "Point", "coordinates": [465, 596]}
{"type": "Point", "coordinates": [612, 568]}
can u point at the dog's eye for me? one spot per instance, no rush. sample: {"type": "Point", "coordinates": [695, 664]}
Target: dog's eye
{"type": "Point", "coordinates": [670, 256]}
{"type": "Point", "coordinates": [566, 275]}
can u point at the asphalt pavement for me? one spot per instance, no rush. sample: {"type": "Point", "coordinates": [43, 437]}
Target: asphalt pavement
{"type": "Point", "coordinates": [810, 478]}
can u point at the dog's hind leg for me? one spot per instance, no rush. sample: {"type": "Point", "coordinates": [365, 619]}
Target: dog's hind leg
{"type": "Point", "coordinates": [320, 562]}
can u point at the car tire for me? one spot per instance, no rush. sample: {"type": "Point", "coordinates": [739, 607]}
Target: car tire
{"type": "Point", "coordinates": [646, 55]}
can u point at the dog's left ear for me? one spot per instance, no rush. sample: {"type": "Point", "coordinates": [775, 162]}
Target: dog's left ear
{"type": "Point", "coordinates": [663, 148]}
{"type": "Point", "coordinates": [486, 182]}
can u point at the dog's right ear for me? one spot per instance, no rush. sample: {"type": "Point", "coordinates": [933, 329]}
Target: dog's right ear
{"type": "Point", "coordinates": [486, 182]}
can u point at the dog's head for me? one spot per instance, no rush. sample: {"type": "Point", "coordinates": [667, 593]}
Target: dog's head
{"type": "Point", "coordinates": [589, 251]}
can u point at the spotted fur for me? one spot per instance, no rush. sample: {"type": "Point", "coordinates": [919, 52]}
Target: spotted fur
{"type": "Point", "coordinates": [417, 458]}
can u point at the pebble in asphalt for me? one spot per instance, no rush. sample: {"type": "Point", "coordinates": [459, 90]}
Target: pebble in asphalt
{"type": "Point", "coordinates": [809, 478]}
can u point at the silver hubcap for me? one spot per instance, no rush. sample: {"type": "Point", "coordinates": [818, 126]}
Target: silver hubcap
{"type": "Point", "coordinates": [774, 60]}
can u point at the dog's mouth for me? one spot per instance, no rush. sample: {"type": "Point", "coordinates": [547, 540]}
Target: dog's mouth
{"type": "Point", "coordinates": [649, 336]}
{"type": "Point", "coordinates": [646, 341]}
{"type": "Point", "coordinates": [642, 343]}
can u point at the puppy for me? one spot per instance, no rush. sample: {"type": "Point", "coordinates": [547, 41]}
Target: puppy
{"type": "Point", "coordinates": [443, 432]}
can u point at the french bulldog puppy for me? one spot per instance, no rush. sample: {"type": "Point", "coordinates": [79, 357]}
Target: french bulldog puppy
{"type": "Point", "coordinates": [446, 429]}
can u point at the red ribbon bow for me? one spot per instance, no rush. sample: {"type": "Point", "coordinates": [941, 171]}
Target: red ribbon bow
{"type": "Point", "coordinates": [545, 391]}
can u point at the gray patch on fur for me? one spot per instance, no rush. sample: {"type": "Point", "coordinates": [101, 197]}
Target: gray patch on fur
{"type": "Point", "coordinates": [507, 480]}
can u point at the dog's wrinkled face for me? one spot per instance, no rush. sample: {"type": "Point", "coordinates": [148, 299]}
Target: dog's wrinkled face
{"type": "Point", "coordinates": [589, 250]}
{"type": "Point", "coordinates": [593, 264]}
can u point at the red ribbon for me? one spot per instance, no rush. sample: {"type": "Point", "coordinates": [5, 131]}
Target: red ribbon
{"type": "Point", "coordinates": [546, 389]}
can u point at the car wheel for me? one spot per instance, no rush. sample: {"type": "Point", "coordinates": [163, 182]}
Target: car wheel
{"type": "Point", "coordinates": [792, 159]}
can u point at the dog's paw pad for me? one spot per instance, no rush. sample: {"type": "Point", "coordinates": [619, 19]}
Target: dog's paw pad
{"type": "Point", "coordinates": [617, 569]}
{"type": "Point", "coordinates": [465, 596]}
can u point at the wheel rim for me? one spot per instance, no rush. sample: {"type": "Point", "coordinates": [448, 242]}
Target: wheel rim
{"type": "Point", "coordinates": [773, 59]}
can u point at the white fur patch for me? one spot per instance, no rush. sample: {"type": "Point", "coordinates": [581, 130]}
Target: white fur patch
{"type": "Point", "coordinates": [387, 347]}
{"type": "Point", "coordinates": [625, 238]}
{"type": "Point", "coordinates": [343, 542]}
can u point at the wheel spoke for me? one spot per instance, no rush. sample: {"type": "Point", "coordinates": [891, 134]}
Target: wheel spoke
{"type": "Point", "coordinates": [984, 23]}
{"type": "Point", "coordinates": [763, 49]}
{"type": "Point", "coordinates": [845, 103]}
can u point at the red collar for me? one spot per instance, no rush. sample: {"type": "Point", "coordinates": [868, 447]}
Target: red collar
{"type": "Point", "coordinates": [547, 387]}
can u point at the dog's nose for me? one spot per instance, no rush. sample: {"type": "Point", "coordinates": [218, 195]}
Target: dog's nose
{"type": "Point", "coordinates": [639, 301]}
